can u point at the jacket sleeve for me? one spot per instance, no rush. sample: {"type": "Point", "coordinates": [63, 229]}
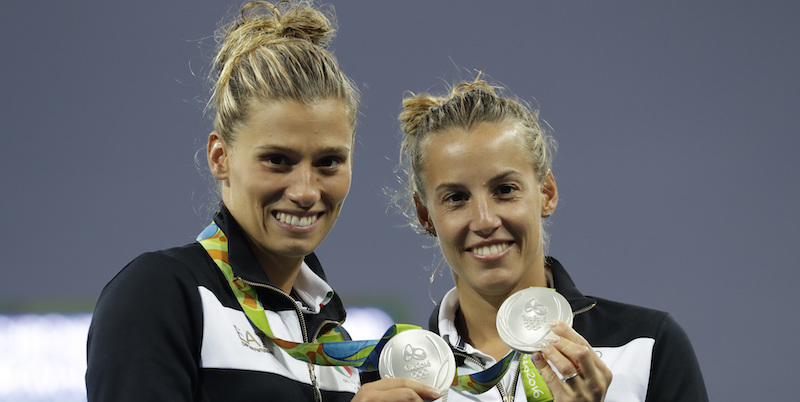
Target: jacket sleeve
{"type": "Point", "coordinates": [675, 373]}
{"type": "Point", "coordinates": [145, 337]}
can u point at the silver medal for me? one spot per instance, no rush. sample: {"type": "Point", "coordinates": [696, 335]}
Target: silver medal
{"type": "Point", "coordinates": [419, 355]}
{"type": "Point", "coordinates": [523, 320]}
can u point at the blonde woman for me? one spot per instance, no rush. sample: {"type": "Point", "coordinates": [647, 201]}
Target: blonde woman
{"type": "Point", "coordinates": [204, 322]}
{"type": "Point", "coordinates": [480, 182]}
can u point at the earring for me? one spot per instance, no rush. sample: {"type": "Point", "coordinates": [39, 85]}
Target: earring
{"type": "Point", "coordinates": [547, 215]}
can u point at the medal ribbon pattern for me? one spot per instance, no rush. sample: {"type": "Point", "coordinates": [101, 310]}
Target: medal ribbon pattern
{"type": "Point", "coordinates": [483, 381]}
{"type": "Point", "coordinates": [536, 390]}
{"type": "Point", "coordinates": [331, 349]}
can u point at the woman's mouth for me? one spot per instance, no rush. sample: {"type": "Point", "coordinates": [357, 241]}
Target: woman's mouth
{"type": "Point", "coordinates": [294, 220]}
{"type": "Point", "coordinates": [485, 251]}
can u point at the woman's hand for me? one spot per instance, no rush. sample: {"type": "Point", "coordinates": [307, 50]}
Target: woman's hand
{"type": "Point", "coordinates": [396, 390]}
{"type": "Point", "coordinates": [585, 376]}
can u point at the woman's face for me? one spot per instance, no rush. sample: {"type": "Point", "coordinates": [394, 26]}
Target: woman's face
{"type": "Point", "coordinates": [286, 175]}
{"type": "Point", "coordinates": [485, 204]}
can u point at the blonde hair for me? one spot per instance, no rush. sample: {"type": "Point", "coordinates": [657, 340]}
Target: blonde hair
{"type": "Point", "coordinates": [276, 52]}
{"type": "Point", "coordinates": [468, 104]}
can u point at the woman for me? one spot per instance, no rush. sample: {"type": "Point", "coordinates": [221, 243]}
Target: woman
{"type": "Point", "coordinates": [203, 322]}
{"type": "Point", "coordinates": [479, 175]}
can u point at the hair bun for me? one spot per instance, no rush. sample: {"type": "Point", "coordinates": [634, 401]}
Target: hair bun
{"type": "Point", "coordinates": [288, 20]}
{"type": "Point", "coordinates": [415, 108]}
{"type": "Point", "coordinates": [308, 24]}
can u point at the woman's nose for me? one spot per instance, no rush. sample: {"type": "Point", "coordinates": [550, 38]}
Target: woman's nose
{"type": "Point", "coordinates": [484, 219]}
{"type": "Point", "coordinates": [302, 189]}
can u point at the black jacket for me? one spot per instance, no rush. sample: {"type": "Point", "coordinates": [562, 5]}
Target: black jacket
{"type": "Point", "coordinates": [648, 353]}
{"type": "Point", "coordinates": [168, 328]}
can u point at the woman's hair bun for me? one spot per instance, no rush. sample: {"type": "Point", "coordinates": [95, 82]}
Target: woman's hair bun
{"type": "Point", "coordinates": [415, 108]}
{"type": "Point", "coordinates": [289, 20]}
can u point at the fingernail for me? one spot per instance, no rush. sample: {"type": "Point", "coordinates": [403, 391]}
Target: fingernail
{"type": "Point", "coordinates": [545, 343]}
{"type": "Point", "coordinates": [433, 391]}
{"type": "Point", "coordinates": [537, 357]}
{"type": "Point", "coordinates": [554, 338]}
{"type": "Point", "coordinates": [554, 323]}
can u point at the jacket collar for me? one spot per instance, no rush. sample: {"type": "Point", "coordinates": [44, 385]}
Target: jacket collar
{"type": "Point", "coordinates": [321, 302]}
{"type": "Point", "coordinates": [564, 285]}
{"type": "Point", "coordinates": [240, 256]}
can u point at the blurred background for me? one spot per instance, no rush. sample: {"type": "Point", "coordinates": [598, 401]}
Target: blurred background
{"type": "Point", "coordinates": [677, 167]}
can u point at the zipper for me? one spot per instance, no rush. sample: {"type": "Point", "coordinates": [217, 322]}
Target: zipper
{"type": "Point", "coordinates": [297, 309]}
{"type": "Point", "coordinates": [499, 386]}
{"type": "Point", "coordinates": [585, 309]}
{"type": "Point", "coordinates": [311, 374]}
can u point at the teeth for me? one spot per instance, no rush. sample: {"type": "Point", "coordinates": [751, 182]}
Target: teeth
{"type": "Point", "coordinates": [490, 250]}
{"type": "Point", "coordinates": [295, 220]}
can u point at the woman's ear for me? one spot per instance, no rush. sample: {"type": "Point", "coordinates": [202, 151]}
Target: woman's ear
{"type": "Point", "coordinates": [217, 153]}
{"type": "Point", "coordinates": [549, 194]}
{"type": "Point", "coordinates": [423, 217]}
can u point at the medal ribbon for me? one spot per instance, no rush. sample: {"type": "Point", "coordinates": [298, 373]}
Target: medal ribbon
{"type": "Point", "coordinates": [331, 348]}
{"type": "Point", "coordinates": [536, 389]}
{"type": "Point", "coordinates": [483, 381]}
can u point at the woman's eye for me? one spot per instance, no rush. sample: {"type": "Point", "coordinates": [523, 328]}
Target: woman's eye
{"type": "Point", "coordinates": [505, 190]}
{"type": "Point", "coordinates": [329, 162]}
{"type": "Point", "coordinates": [276, 159]}
{"type": "Point", "coordinates": [455, 198]}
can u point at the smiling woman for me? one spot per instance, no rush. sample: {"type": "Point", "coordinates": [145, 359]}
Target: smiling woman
{"type": "Point", "coordinates": [479, 175]}
{"type": "Point", "coordinates": [488, 214]}
{"type": "Point", "coordinates": [285, 179]}
{"type": "Point", "coordinates": [203, 322]}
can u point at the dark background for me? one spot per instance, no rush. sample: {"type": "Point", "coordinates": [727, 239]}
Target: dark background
{"type": "Point", "coordinates": [677, 166]}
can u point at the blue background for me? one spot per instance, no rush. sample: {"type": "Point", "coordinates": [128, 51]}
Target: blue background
{"type": "Point", "coordinates": [677, 124]}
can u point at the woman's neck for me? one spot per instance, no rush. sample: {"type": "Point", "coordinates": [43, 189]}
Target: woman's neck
{"type": "Point", "coordinates": [476, 323]}
{"type": "Point", "coordinates": [281, 272]}
{"type": "Point", "coordinates": [282, 278]}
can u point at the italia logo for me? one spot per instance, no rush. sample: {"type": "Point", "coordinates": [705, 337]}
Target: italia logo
{"type": "Point", "coordinates": [344, 370]}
